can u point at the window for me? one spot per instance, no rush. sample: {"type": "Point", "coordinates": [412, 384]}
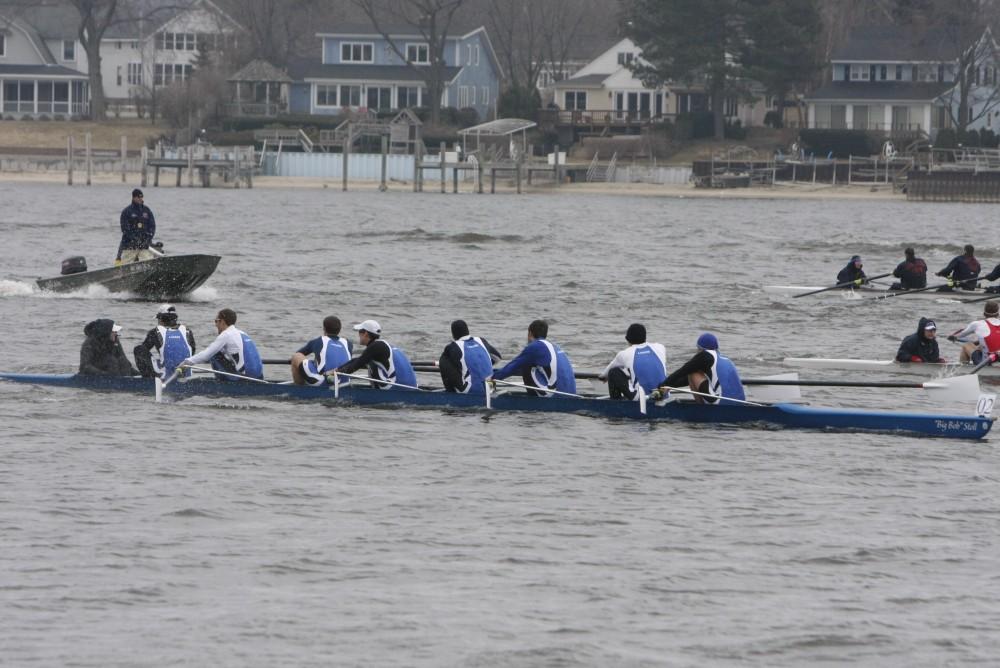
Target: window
{"type": "Point", "coordinates": [472, 96]}
{"type": "Point", "coordinates": [118, 45]}
{"type": "Point", "coordinates": [61, 95]}
{"type": "Point", "coordinates": [860, 121]}
{"type": "Point", "coordinates": [940, 72]}
{"type": "Point", "coordinates": [326, 96]}
{"type": "Point", "coordinates": [486, 95]}
{"type": "Point", "coordinates": [418, 54]}
{"type": "Point", "coordinates": [625, 57]}
{"type": "Point", "coordinates": [3, 45]}
{"type": "Point", "coordinates": [576, 100]}
{"type": "Point", "coordinates": [176, 41]}
{"type": "Point", "coordinates": [463, 96]}
{"type": "Point", "coordinates": [69, 49]}
{"type": "Point", "coordinates": [860, 72]}
{"type": "Point", "coordinates": [883, 72]}
{"type": "Point", "coordinates": [165, 74]}
{"type": "Point", "coordinates": [730, 107]}
{"type": "Point", "coordinates": [134, 74]}
{"type": "Point", "coordinates": [118, 76]}
{"type": "Point", "coordinates": [350, 96]}
{"type": "Point", "coordinates": [406, 97]}
{"type": "Point", "coordinates": [356, 52]}
{"type": "Point", "coordinates": [899, 72]}
{"type": "Point", "coordinates": [379, 97]}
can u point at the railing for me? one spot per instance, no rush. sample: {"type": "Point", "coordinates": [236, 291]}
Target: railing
{"type": "Point", "coordinates": [968, 158]}
{"type": "Point", "coordinates": [609, 175]}
{"type": "Point", "coordinates": [307, 143]}
{"type": "Point", "coordinates": [599, 117]}
{"type": "Point", "coordinates": [260, 109]}
{"type": "Point", "coordinates": [292, 136]}
{"type": "Point", "coordinates": [592, 169]}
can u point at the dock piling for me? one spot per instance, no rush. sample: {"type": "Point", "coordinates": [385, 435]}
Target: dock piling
{"type": "Point", "coordinates": [89, 160]}
{"type": "Point", "coordinates": [69, 160]}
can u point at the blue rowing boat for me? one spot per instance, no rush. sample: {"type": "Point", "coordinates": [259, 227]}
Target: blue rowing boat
{"type": "Point", "coordinates": [791, 416]}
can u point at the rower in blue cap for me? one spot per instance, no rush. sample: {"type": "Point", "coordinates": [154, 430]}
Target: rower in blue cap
{"type": "Point", "coordinates": [852, 275]}
{"type": "Point", "coordinates": [709, 373]}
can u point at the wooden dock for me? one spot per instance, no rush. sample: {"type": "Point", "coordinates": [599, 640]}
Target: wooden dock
{"type": "Point", "coordinates": [233, 164]}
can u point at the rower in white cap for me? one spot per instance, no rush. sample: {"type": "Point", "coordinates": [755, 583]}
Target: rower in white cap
{"type": "Point", "coordinates": [383, 361]}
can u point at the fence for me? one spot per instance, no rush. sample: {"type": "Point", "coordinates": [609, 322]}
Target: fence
{"type": "Point", "coordinates": [658, 175]}
{"type": "Point", "coordinates": [949, 186]}
{"type": "Point", "coordinates": [361, 166]}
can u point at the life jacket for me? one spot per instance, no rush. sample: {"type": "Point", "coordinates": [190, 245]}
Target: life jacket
{"type": "Point", "coordinates": [477, 365]}
{"type": "Point", "coordinates": [173, 350]}
{"type": "Point", "coordinates": [559, 375]}
{"type": "Point", "coordinates": [724, 381]}
{"type": "Point", "coordinates": [250, 363]}
{"type": "Point", "coordinates": [645, 369]}
{"type": "Point", "coordinates": [991, 342]}
{"type": "Point", "coordinates": [400, 370]}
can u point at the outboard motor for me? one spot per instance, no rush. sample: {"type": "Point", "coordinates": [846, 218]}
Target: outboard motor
{"type": "Point", "coordinates": [74, 265]}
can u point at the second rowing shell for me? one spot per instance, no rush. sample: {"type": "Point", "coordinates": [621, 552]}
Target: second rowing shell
{"type": "Point", "coordinates": [875, 292]}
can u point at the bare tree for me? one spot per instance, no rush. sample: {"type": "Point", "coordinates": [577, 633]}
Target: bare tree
{"type": "Point", "coordinates": [96, 16]}
{"type": "Point", "coordinates": [275, 27]}
{"type": "Point", "coordinates": [432, 19]}
{"type": "Point", "coordinates": [564, 24]}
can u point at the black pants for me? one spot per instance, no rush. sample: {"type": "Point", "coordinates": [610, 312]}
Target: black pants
{"type": "Point", "coordinates": [618, 385]}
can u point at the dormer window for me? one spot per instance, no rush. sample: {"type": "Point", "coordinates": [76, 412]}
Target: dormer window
{"type": "Point", "coordinates": [418, 54]}
{"type": "Point", "coordinates": [860, 73]}
{"type": "Point", "coordinates": [357, 52]}
{"type": "Point", "coordinates": [69, 49]}
{"type": "Point", "coordinates": [625, 57]}
{"type": "Point", "coordinates": [3, 45]}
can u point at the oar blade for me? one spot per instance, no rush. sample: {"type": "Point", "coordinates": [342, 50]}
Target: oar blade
{"type": "Point", "coordinates": [158, 389]}
{"type": "Point", "coordinates": [964, 388]}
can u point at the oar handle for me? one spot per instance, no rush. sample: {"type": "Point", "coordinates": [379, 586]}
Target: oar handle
{"type": "Point", "coordinates": [839, 285]}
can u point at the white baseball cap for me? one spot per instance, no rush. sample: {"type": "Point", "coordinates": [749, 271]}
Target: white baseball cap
{"type": "Point", "coordinates": [116, 328]}
{"type": "Point", "coordinates": [370, 326]}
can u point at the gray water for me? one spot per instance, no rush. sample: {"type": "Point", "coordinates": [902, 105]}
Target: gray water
{"type": "Point", "coordinates": [262, 533]}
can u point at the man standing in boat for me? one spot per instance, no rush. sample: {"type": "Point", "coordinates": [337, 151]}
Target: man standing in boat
{"type": "Point", "coordinates": [852, 275]}
{"type": "Point", "coordinates": [138, 227]}
{"type": "Point", "coordinates": [984, 335]}
{"type": "Point", "coordinates": [542, 364]}
{"type": "Point", "coordinates": [921, 346]}
{"type": "Point", "coordinates": [232, 352]}
{"type": "Point", "coordinates": [642, 367]}
{"type": "Point", "coordinates": [383, 361]}
{"type": "Point", "coordinates": [911, 272]}
{"type": "Point", "coordinates": [467, 362]}
{"type": "Point", "coordinates": [962, 272]}
{"type": "Point", "coordinates": [709, 373]}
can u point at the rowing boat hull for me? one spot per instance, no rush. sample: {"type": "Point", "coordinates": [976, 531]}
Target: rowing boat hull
{"type": "Point", "coordinates": [872, 292]}
{"type": "Point", "coordinates": [164, 278]}
{"type": "Point", "coordinates": [930, 369]}
{"type": "Point", "coordinates": [790, 416]}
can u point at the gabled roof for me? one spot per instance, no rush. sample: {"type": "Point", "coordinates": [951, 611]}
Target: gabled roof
{"type": "Point", "coordinates": [587, 80]}
{"type": "Point", "coordinates": [894, 91]}
{"type": "Point", "coordinates": [259, 71]}
{"type": "Point", "coordinates": [52, 20]}
{"type": "Point", "coordinates": [152, 16]}
{"type": "Point", "coordinates": [310, 70]}
{"type": "Point", "coordinates": [895, 43]}
{"type": "Point", "coordinates": [21, 24]}
{"type": "Point", "coordinates": [394, 28]}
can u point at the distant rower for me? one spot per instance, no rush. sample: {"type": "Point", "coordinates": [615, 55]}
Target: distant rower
{"type": "Point", "coordinates": [911, 272]}
{"type": "Point", "coordinates": [709, 372]}
{"type": "Point", "coordinates": [922, 346]}
{"type": "Point", "coordinates": [542, 364]}
{"type": "Point", "coordinates": [383, 361]}
{"type": "Point", "coordinates": [962, 271]}
{"type": "Point", "coordinates": [640, 367]}
{"type": "Point", "coordinates": [852, 275]}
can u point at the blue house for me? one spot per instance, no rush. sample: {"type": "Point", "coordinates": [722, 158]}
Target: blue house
{"type": "Point", "coordinates": [360, 69]}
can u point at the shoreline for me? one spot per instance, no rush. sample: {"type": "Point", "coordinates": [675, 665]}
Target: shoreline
{"type": "Point", "coordinates": [676, 191]}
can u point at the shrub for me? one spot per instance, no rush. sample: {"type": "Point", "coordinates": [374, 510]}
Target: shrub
{"type": "Point", "coordinates": [842, 143]}
{"type": "Point", "coordinates": [735, 130]}
{"type": "Point", "coordinates": [467, 117]}
{"type": "Point", "coordinates": [946, 138]}
{"type": "Point", "coordinates": [988, 138]}
{"type": "Point", "coordinates": [772, 119]}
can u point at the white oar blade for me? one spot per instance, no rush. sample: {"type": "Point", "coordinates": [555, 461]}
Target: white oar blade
{"type": "Point", "coordinates": [776, 393]}
{"type": "Point", "coordinates": [956, 388]}
{"type": "Point", "coordinates": [158, 385]}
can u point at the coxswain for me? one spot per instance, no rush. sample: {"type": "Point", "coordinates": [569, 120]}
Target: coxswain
{"type": "Point", "coordinates": [138, 228]}
{"type": "Point", "coordinates": [921, 346]}
{"type": "Point", "coordinates": [642, 367]}
{"type": "Point", "coordinates": [962, 272]}
{"type": "Point", "coordinates": [542, 364]}
{"type": "Point", "coordinates": [709, 373]}
{"type": "Point", "coordinates": [852, 275]}
{"type": "Point", "coordinates": [328, 352]}
{"type": "Point", "coordinates": [232, 352]}
{"type": "Point", "coordinates": [980, 337]}
{"type": "Point", "coordinates": [467, 362]}
{"type": "Point", "coordinates": [101, 353]}
{"type": "Point", "coordinates": [383, 361]}
{"type": "Point", "coordinates": [911, 272]}
{"type": "Point", "coordinates": [165, 346]}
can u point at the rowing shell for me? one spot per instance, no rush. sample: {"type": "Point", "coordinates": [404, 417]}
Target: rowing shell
{"type": "Point", "coordinates": [927, 369]}
{"type": "Point", "coordinates": [868, 292]}
{"type": "Point", "coordinates": [791, 416]}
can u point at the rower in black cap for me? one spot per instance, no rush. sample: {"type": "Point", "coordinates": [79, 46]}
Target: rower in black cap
{"type": "Point", "coordinates": [641, 366]}
{"type": "Point", "coordinates": [138, 228]}
{"type": "Point", "coordinates": [467, 362]}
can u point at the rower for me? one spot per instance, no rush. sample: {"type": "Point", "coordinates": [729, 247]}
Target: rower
{"type": "Point", "coordinates": [165, 346]}
{"type": "Point", "coordinates": [992, 276]}
{"type": "Point", "coordinates": [542, 364]}
{"type": "Point", "coordinates": [101, 353]}
{"type": "Point", "coordinates": [329, 351]}
{"type": "Point", "coordinates": [921, 346]}
{"type": "Point", "coordinates": [852, 275]}
{"type": "Point", "coordinates": [467, 362]}
{"type": "Point", "coordinates": [985, 335]}
{"type": "Point", "coordinates": [232, 352]}
{"type": "Point", "coordinates": [911, 272]}
{"type": "Point", "coordinates": [642, 367]}
{"type": "Point", "coordinates": [962, 271]}
{"type": "Point", "coordinates": [138, 228]}
{"type": "Point", "coordinates": [383, 361]}
{"type": "Point", "coordinates": [709, 372]}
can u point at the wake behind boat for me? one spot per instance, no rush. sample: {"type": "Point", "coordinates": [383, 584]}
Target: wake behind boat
{"type": "Point", "coordinates": [781, 415]}
{"type": "Point", "coordinates": [874, 291]}
{"type": "Point", "coordinates": [164, 278]}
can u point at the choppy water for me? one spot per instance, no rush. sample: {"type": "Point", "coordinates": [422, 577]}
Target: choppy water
{"type": "Point", "coordinates": [261, 533]}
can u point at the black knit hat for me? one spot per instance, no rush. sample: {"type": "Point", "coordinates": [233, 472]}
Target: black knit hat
{"type": "Point", "coordinates": [459, 329]}
{"type": "Point", "coordinates": [636, 333]}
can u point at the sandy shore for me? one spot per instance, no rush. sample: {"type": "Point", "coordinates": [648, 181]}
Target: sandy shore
{"type": "Point", "coordinates": [781, 191]}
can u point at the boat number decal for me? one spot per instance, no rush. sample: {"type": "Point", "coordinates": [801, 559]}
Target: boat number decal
{"type": "Point", "coordinates": [985, 405]}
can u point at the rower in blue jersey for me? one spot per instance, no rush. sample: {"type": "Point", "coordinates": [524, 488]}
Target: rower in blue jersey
{"type": "Point", "coordinates": [232, 352]}
{"type": "Point", "coordinates": [710, 373]}
{"type": "Point", "coordinates": [467, 362]}
{"type": "Point", "coordinates": [383, 361]}
{"type": "Point", "coordinates": [542, 364]}
{"type": "Point", "coordinates": [165, 346]}
{"type": "Point", "coordinates": [328, 352]}
{"type": "Point", "coordinates": [640, 367]}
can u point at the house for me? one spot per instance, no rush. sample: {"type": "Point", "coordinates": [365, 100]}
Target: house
{"type": "Point", "coordinates": [577, 54]}
{"type": "Point", "coordinates": [359, 69]}
{"type": "Point", "coordinates": [888, 78]}
{"type": "Point", "coordinates": [42, 65]}
{"type": "Point", "coordinates": [161, 48]}
{"type": "Point", "coordinates": [607, 88]}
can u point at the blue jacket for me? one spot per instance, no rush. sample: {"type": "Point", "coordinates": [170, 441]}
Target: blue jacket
{"type": "Point", "coordinates": [536, 359]}
{"type": "Point", "coordinates": [138, 227]}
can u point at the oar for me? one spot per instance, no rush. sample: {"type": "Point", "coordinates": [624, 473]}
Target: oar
{"type": "Point", "coordinates": [838, 285]}
{"type": "Point", "coordinates": [375, 380]}
{"type": "Point", "coordinates": [201, 369]}
{"type": "Point", "coordinates": [956, 388]}
{"type": "Point", "coordinates": [992, 295]}
{"type": "Point", "coordinates": [900, 293]}
{"type": "Point", "coordinates": [159, 384]}
{"type": "Point", "coordinates": [686, 390]}
{"type": "Point", "coordinates": [989, 359]}
{"type": "Point", "coordinates": [540, 389]}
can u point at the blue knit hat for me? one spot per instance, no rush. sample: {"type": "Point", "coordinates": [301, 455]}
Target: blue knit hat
{"type": "Point", "coordinates": [855, 258]}
{"type": "Point", "coordinates": [708, 342]}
